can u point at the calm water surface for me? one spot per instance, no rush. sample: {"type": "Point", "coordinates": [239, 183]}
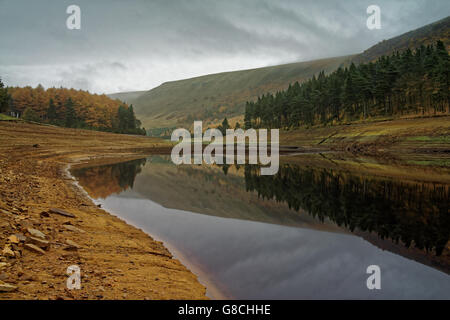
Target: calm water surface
{"type": "Point", "coordinates": [305, 233]}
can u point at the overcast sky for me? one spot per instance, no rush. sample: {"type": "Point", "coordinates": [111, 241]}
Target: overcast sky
{"type": "Point", "coordinates": [137, 45]}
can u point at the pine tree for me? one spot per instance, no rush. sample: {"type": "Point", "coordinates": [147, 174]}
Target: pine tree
{"type": "Point", "coordinates": [70, 115]}
{"type": "Point", "coordinates": [407, 82]}
{"type": "Point", "coordinates": [122, 116]}
{"type": "Point", "coordinates": [131, 119]}
{"type": "Point", "coordinates": [248, 116]}
{"type": "Point", "coordinates": [224, 126]}
{"type": "Point", "coordinates": [4, 97]}
{"type": "Point", "coordinates": [443, 75]}
{"type": "Point", "coordinates": [51, 112]}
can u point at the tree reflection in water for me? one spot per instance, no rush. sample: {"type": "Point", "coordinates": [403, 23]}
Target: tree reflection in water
{"type": "Point", "coordinates": [411, 212]}
{"type": "Point", "coordinates": [104, 180]}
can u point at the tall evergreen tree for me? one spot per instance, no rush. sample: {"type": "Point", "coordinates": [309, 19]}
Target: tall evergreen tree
{"type": "Point", "coordinates": [70, 115]}
{"type": "Point", "coordinates": [403, 83]}
{"type": "Point", "coordinates": [51, 111]}
{"type": "Point", "coordinates": [122, 115]}
{"type": "Point", "coordinates": [4, 97]}
{"type": "Point", "coordinates": [224, 126]}
{"type": "Point", "coordinates": [131, 118]}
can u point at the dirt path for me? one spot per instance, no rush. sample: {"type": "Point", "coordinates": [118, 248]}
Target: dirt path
{"type": "Point", "coordinates": [117, 261]}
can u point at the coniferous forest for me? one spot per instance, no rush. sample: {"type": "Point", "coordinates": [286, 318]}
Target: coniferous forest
{"type": "Point", "coordinates": [69, 108]}
{"type": "Point", "coordinates": [406, 83]}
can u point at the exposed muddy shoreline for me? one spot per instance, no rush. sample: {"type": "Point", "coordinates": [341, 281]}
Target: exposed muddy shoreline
{"type": "Point", "coordinates": [117, 260]}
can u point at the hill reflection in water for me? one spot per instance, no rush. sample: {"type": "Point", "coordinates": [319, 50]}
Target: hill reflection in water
{"type": "Point", "coordinates": [392, 214]}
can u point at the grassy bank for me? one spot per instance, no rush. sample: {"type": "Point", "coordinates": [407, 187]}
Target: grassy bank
{"type": "Point", "coordinates": [395, 137]}
{"type": "Point", "coordinates": [4, 117]}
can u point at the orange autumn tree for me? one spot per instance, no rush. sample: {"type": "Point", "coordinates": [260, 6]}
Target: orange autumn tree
{"type": "Point", "coordinates": [75, 108]}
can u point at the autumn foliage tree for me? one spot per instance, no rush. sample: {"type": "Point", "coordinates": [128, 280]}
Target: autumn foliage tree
{"type": "Point", "coordinates": [75, 109]}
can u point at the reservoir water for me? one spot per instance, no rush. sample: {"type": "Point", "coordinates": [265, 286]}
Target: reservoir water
{"type": "Point", "coordinates": [305, 233]}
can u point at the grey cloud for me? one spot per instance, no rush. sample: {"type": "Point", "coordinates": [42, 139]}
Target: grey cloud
{"type": "Point", "coordinates": [147, 42]}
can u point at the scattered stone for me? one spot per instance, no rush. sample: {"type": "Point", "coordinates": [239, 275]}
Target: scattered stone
{"type": "Point", "coordinates": [5, 212]}
{"type": "Point", "coordinates": [13, 239]}
{"type": "Point", "coordinates": [73, 228]}
{"type": "Point", "coordinates": [4, 224]}
{"type": "Point", "coordinates": [70, 255]}
{"type": "Point", "coordinates": [72, 245]}
{"type": "Point", "coordinates": [3, 265]}
{"type": "Point", "coordinates": [44, 214]}
{"type": "Point", "coordinates": [3, 276]}
{"type": "Point", "coordinates": [28, 277]}
{"type": "Point", "coordinates": [36, 233]}
{"type": "Point", "coordinates": [62, 212]}
{"type": "Point", "coordinates": [7, 252]}
{"type": "Point", "coordinates": [36, 145]}
{"type": "Point", "coordinates": [21, 237]}
{"type": "Point", "coordinates": [6, 287]}
{"type": "Point", "coordinates": [34, 248]}
{"type": "Point", "coordinates": [44, 244]}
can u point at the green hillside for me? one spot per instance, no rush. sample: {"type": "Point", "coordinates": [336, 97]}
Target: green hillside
{"type": "Point", "coordinates": [427, 35]}
{"type": "Point", "coordinates": [213, 97]}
